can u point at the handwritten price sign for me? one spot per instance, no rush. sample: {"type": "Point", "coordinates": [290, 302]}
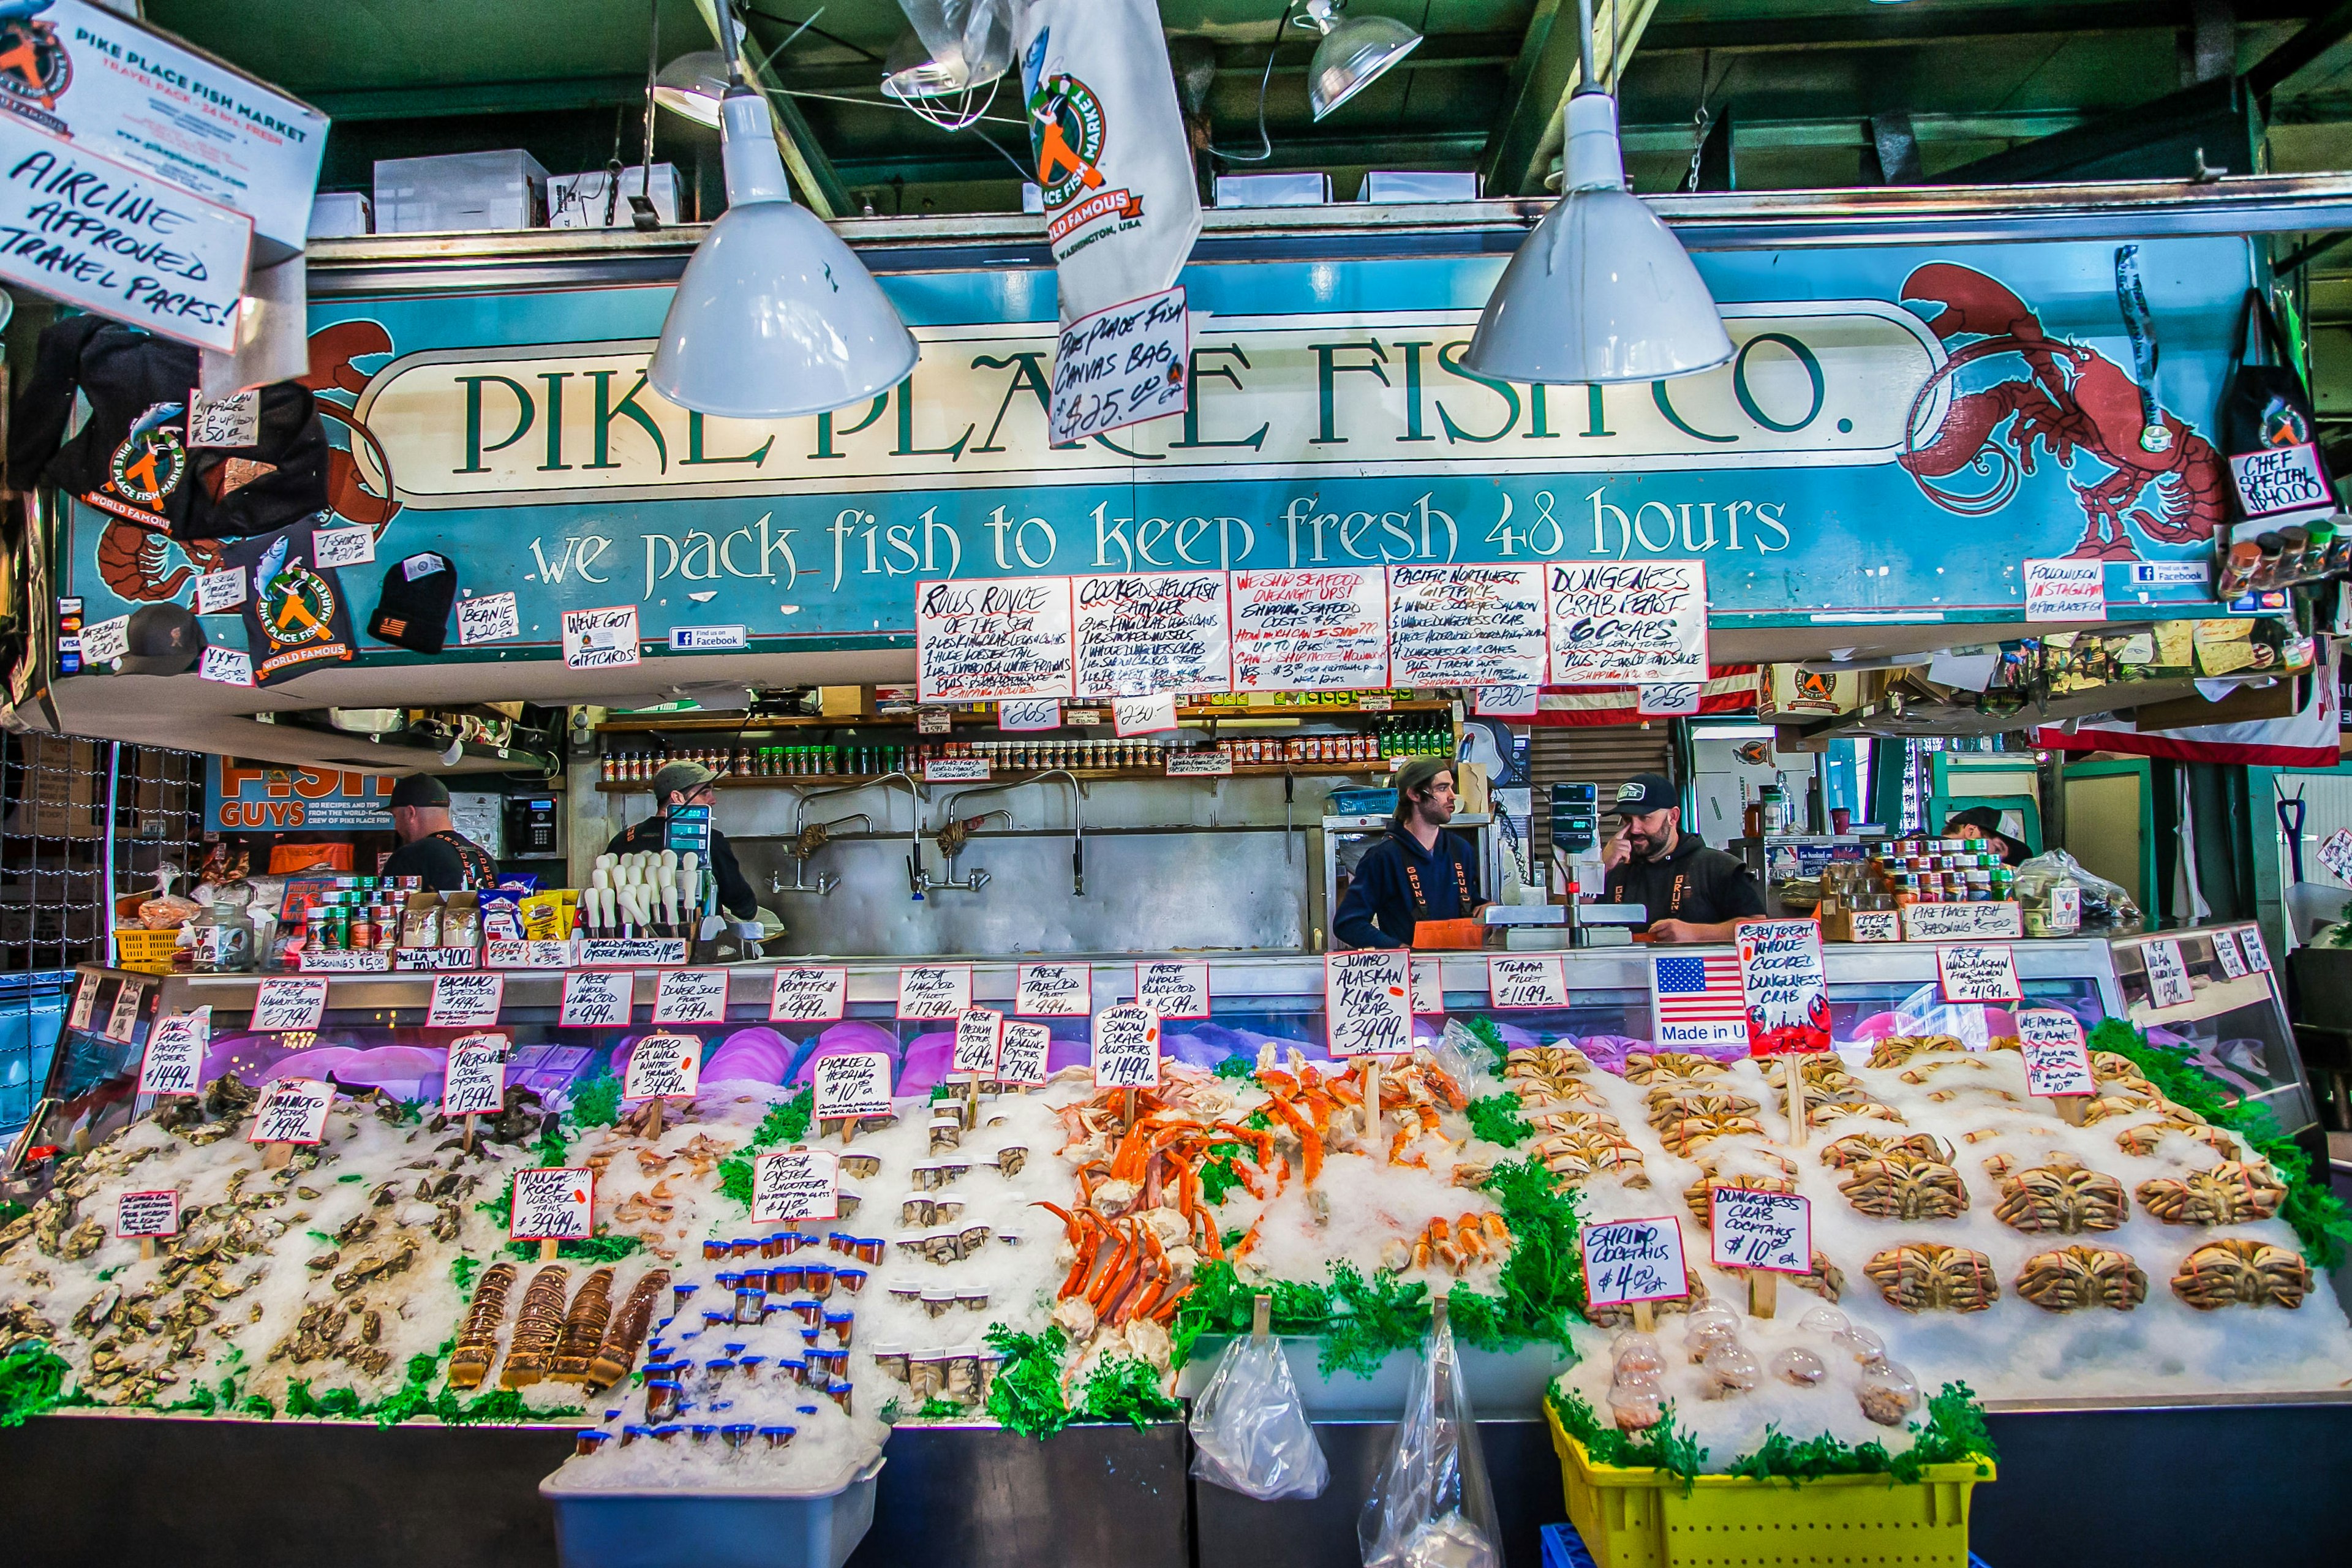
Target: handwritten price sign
{"type": "Point", "coordinates": [979, 1035]}
{"type": "Point", "coordinates": [466, 1001]}
{"type": "Point", "coordinates": [2226, 954]}
{"type": "Point", "coordinates": [1757, 1229]}
{"type": "Point", "coordinates": [933, 993]}
{"type": "Point", "coordinates": [857, 1083]}
{"type": "Point", "coordinates": [1028, 714]}
{"type": "Point", "coordinates": [1634, 623]}
{"type": "Point", "coordinates": [2057, 1063]}
{"type": "Point", "coordinates": [2168, 975]}
{"type": "Point", "coordinates": [597, 998]}
{"type": "Point", "coordinates": [174, 1062]}
{"type": "Point", "coordinates": [808, 995]}
{"type": "Point", "coordinates": [664, 1066]}
{"type": "Point", "coordinates": [691, 997]}
{"type": "Point", "coordinates": [1529, 981]}
{"type": "Point", "coordinates": [1464, 624]}
{"type": "Point", "coordinates": [282, 1006]}
{"type": "Point", "coordinates": [1126, 1046]}
{"type": "Point", "coordinates": [476, 1084]}
{"type": "Point", "coordinates": [1631, 1260]}
{"type": "Point", "coordinates": [553, 1202]}
{"type": "Point", "coordinates": [152, 1214]}
{"type": "Point", "coordinates": [1147, 715]}
{"type": "Point", "coordinates": [1022, 1060]}
{"type": "Point", "coordinates": [1786, 988]}
{"type": "Point", "coordinates": [1428, 987]}
{"type": "Point", "coordinates": [1053, 990]}
{"type": "Point", "coordinates": [1173, 989]}
{"type": "Point", "coordinates": [1121, 366]}
{"type": "Point", "coordinates": [1368, 1002]}
{"type": "Point", "coordinates": [1979, 973]}
{"type": "Point", "coordinates": [294, 1111]}
{"type": "Point", "coordinates": [799, 1184]}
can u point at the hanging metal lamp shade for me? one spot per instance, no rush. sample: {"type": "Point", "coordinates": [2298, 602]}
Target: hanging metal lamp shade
{"type": "Point", "coordinates": [1355, 51]}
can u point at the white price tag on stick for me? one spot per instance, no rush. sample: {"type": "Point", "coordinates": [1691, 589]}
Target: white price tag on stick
{"type": "Point", "coordinates": [174, 1062]}
{"type": "Point", "coordinates": [1126, 1046]}
{"type": "Point", "coordinates": [979, 1035]}
{"type": "Point", "coordinates": [292, 1111]}
{"type": "Point", "coordinates": [1755, 1229]}
{"type": "Point", "coordinates": [1368, 1002]}
{"type": "Point", "coordinates": [553, 1202]}
{"type": "Point", "coordinates": [856, 1083]}
{"type": "Point", "coordinates": [1631, 1260]}
{"type": "Point", "coordinates": [147, 1216]}
{"type": "Point", "coordinates": [664, 1066]}
{"type": "Point", "coordinates": [2056, 1061]}
{"type": "Point", "coordinates": [1121, 366]}
{"type": "Point", "coordinates": [795, 1185]}
{"type": "Point", "coordinates": [1022, 1057]}
{"type": "Point", "coordinates": [476, 1081]}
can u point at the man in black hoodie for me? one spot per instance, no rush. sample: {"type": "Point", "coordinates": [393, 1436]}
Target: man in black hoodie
{"type": "Point", "coordinates": [1692, 893]}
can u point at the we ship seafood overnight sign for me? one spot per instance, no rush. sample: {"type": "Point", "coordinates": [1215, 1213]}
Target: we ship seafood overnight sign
{"type": "Point", "coordinates": [1855, 461]}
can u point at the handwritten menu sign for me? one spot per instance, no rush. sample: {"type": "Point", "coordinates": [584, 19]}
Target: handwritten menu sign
{"type": "Point", "coordinates": [465, 1000]}
{"type": "Point", "coordinates": [1126, 1046]}
{"type": "Point", "coordinates": [1428, 986]}
{"type": "Point", "coordinates": [1757, 1229]}
{"type": "Point", "coordinates": [597, 998]}
{"type": "Point", "coordinates": [1172, 989]}
{"type": "Point", "coordinates": [1029, 714]}
{"type": "Point", "coordinates": [1147, 715]}
{"type": "Point", "coordinates": [1022, 1059]}
{"type": "Point", "coordinates": [1053, 990]}
{"type": "Point", "coordinates": [2067, 590]}
{"type": "Point", "coordinates": [1310, 629]}
{"type": "Point", "coordinates": [856, 1083]}
{"type": "Point", "coordinates": [1527, 980]}
{"type": "Point", "coordinates": [151, 1213]}
{"type": "Point", "coordinates": [1165, 632]}
{"type": "Point", "coordinates": [1466, 625]}
{"type": "Point", "coordinates": [1006, 636]}
{"type": "Point", "coordinates": [691, 997]}
{"type": "Point", "coordinates": [1199, 762]}
{"type": "Point", "coordinates": [808, 995]}
{"type": "Point", "coordinates": [553, 1202]}
{"type": "Point", "coordinates": [2167, 976]}
{"type": "Point", "coordinates": [2057, 1062]}
{"type": "Point", "coordinates": [627, 951]}
{"type": "Point", "coordinates": [604, 639]}
{"type": "Point", "coordinates": [1630, 1260]}
{"type": "Point", "coordinates": [2226, 954]}
{"type": "Point", "coordinates": [174, 1062]}
{"type": "Point", "coordinates": [292, 1111]}
{"type": "Point", "coordinates": [1618, 623]}
{"type": "Point", "coordinates": [475, 1083]}
{"type": "Point", "coordinates": [2258, 959]}
{"type": "Point", "coordinates": [798, 1184]}
{"type": "Point", "coordinates": [933, 991]}
{"type": "Point", "coordinates": [955, 770]}
{"type": "Point", "coordinates": [1786, 988]}
{"type": "Point", "coordinates": [1368, 1002]}
{"type": "Point", "coordinates": [664, 1066]}
{"type": "Point", "coordinates": [978, 1033]}
{"type": "Point", "coordinates": [1979, 973]}
{"type": "Point", "coordinates": [1121, 365]}
{"type": "Point", "coordinates": [85, 1002]}
{"type": "Point", "coordinates": [130, 1001]}
{"type": "Point", "coordinates": [1507, 701]}
{"type": "Point", "coordinates": [280, 1004]}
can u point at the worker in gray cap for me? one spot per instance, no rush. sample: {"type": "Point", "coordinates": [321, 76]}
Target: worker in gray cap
{"type": "Point", "coordinates": [691, 784]}
{"type": "Point", "coordinates": [430, 847]}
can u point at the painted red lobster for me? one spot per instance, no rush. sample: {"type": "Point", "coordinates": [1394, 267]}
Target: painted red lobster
{"type": "Point", "coordinates": [2071, 399]}
{"type": "Point", "coordinates": [134, 559]}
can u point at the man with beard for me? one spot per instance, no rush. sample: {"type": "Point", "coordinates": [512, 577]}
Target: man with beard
{"type": "Point", "coordinates": [1691, 892]}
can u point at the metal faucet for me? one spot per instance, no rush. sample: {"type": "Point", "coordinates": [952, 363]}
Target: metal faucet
{"type": "Point", "coordinates": [951, 839]}
{"type": "Point", "coordinates": [917, 880]}
{"type": "Point", "coordinates": [805, 843]}
{"type": "Point", "coordinates": [1077, 817]}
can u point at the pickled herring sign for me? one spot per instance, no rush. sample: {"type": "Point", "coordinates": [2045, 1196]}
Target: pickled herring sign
{"type": "Point", "coordinates": [1466, 625]}
{"type": "Point", "coordinates": [980, 641]}
{"type": "Point", "coordinates": [1627, 622]}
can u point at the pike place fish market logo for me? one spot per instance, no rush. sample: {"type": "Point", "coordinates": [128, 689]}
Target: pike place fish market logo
{"type": "Point", "coordinates": [1070, 128]}
{"type": "Point", "coordinates": [148, 464]}
{"type": "Point", "coordinates": [34, 66]}
{"type": "Point", "coordinates": [297, 606]}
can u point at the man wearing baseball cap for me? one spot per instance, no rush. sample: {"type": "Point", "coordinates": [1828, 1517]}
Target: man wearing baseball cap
{"type": "Point", "coordinates": [1691, 892]}
{"type": "Point", "coordinates": [691, 784]}
{"type": "Point", "coordinates": [1417, 872]}
{"type": "Point", "coordinates": [430, 847]}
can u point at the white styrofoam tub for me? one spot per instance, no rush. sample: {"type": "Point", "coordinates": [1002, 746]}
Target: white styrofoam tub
{"type": "Point", "coordinates": [713, 1528]}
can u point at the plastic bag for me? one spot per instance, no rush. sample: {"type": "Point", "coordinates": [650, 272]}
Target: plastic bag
{"type": "Point", "coordinates": [2106, 906]}
{"type": "Point", "coordinates": [1250, 1429]}
{"type": "Point", "coordinates": [1431, 1507]}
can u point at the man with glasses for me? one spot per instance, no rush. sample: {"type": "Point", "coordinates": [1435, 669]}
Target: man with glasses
{"type": "Point", "coordinates": [684, 785]}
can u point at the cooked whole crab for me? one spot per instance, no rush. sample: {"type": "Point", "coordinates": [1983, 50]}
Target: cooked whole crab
{"type": "Point", "coordinates": [1577, 1157]}
{"type": "Point", "coordinates": [1669, 1066]}
{"type": "Point", "coordinates": [1857, 1106]}
{"type": "Point", "coordinates": [1667, 1101]}
{"type": "Point", "coordinates": [2109, 1104]}
{"type": "Point", "coordinates": [2072, 1278]}
{"type": "Point", "coordinates": [2063, 1197]}
{"type": "Point", "coordinates": [1896, 1049]}
{"type": "Point", "coordinates": [1826, 1280]}
{"type": "Point", "coordinates": [1855, 1147]}
{"type": "Point", "coordinates": [1823, 1074]}
{"type": "Point", "coordinates": [1545, 1061]}
{"type": "Point", "coordinates": [1924, 1276]}
{"type": "Point", "coordinates": [2231, 1192]}
{"type": "Point", "coordinates": [1695, 1128]}
{"type": "Point", "coordinates": [1542, 1091]}
{"type": "Point", "coordinates": [1905, 1188]}
{"type": "Point", "coordinates": [2144, 1139]}
{"type": "Point", "coordinates": [2237, 1270]}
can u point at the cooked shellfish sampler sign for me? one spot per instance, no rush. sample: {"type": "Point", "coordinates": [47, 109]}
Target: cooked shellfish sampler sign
{"type": "Point", "coordinates": [1127, 1047]}
{"type": "Point", "coordinates": [664, 1066]}
{"type": "Point", "coordinates": [1466, 625]}
{"type": "Point", "coordinates": [1142, 634]}
{"type": "Point", "coordinates": [978, 641]}
{"type": "Point", "coordinates": [1786, 989]}
{"type": "Point", "coordinates": [799, 1184]}
{"type": "Point", "coordinates": [1626, 623]}
{"type": "Point", "coordinates": [1368, 1002]}
{"type": "Point", "coordinates": [174, 1062]}
{"type": "Point", "coordinates": [553, 1202]}
{"type": "Point", "coordinates": [856, 1083]}
{"type": "Point", "coordinates": [1757, 1229]}
{"type": "Point", "coordinates": [1631, 1260]}
{"type": "Point", "coordinates": [294, 1111]}
{"type": "Point", "coordinates": [476, 1080]}
{"type": "Point", "coordinates": [2057, 1061]}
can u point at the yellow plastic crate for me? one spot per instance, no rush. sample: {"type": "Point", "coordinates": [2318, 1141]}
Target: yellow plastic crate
{"type": "Point", "coordinates": [1644, 1518]}
{"type": "Point", "coordinates": [148, 952]}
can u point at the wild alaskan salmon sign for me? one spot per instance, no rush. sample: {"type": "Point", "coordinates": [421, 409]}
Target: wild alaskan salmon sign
{"type": "Point", "coordinates": [1899, 430]}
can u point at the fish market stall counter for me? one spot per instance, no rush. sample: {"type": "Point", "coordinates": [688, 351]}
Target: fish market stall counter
{"type": "Point", "coordinates": [749, 1251]}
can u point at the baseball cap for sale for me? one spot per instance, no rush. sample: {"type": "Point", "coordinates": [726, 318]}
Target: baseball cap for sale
{"type": "Point", "coordinates": [414, 611]}
{"type": "Point", "coordinates": [1643, 794]}
{"type": "Point", "coordinates": [162, 639]}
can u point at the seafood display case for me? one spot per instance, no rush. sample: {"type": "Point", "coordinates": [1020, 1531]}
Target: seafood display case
{"type": "Point", "coordinates": [942, 1233]}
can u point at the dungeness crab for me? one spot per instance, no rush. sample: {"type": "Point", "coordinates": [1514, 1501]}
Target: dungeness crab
{"type": "Point", "coordinates": [2072, 1278]}
{"type": "Point", "coordinates": [1924, 1275]}
{"type": "Point", "coordinates": [2236, 1270]}
{"type": "Point", "coordinates": [2231, 1192]}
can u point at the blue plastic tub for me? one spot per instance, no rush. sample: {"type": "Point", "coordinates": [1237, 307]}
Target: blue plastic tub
{"type": "Point", "coordinates": [713, 1530]}
{"type": "Point", "coordinates": [1360, 803]}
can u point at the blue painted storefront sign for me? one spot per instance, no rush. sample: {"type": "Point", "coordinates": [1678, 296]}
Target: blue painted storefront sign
{"type": "Point", "coordinates": [1903, 427]}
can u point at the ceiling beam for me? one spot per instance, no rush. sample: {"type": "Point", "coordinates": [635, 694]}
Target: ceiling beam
{"type": "Point", "coordinates": [539, 97]}
{"type": "Point", "coordinates": [1879, 26]}
{"type": "Point", "coordinates": [1530, 129]}
{"type": "Point", "coordinates": [2318, 35]}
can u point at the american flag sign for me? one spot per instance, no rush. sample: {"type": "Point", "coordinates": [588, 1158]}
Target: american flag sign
{"type": "Point", "coordinates": [1696, 1000]}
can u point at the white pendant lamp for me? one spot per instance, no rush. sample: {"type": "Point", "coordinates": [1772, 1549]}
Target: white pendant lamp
{"type": "Point", "coordinates": [1600, 292]}
{"type": "Point", "coordinates": [692, 85]}
{"type": "Point", "coordinates": [1354, 51]}
{"type": "Point", "coordinates": [775, 316]}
